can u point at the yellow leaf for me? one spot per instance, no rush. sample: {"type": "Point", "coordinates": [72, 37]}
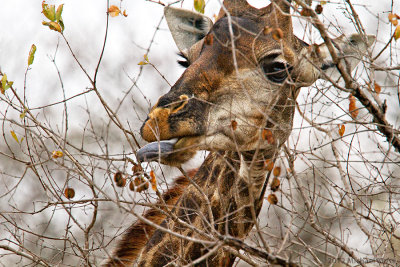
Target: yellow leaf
{"type": "Point", "coordinates": [323, 2]}
{"type": "Point", "coordinates": [199, 5]}
{"type": "Point", "coordinates": [57, 154]}
{"type": "Point", "coordinates": [31, 56]}
{"type": "Point", "coordinates": [59, 12]}
{"type": "Point", "coordinates": [14, 136]}
{"type": "Point", "coordinates": [146, 58]}
{"type": "Point", "coordinates": [53, 26]}
{"type": "Point", "coordinates": [114, 11]}
{"type": "Point", "coordinates": [342, 128]}
{"type": "Point", "coordinates": [49, 11]}
{"type": "Point", "coordinates": [141, 63]}
{"type": "Point", "coordinates": [397, 32]}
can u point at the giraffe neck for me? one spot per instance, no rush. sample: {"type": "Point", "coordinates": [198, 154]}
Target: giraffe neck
{"type": "Point", "coordinates": [233, 185]}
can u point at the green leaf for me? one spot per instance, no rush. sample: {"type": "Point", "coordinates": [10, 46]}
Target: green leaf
{"type": "Point", "coordinates": [59, 12]}
{"type": "Point", "coordinates": [199, 5]}
{"type": "Point", "coordinates": [31, 56]}
{"type": "Point", "coordinates": [61, 24]}
{"type": "Point", "coordinates": [4, 81]}
{"type": "Point", "coordinates": [23, 114]}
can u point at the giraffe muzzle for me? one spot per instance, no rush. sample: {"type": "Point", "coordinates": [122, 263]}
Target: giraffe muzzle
{"type": "Point", "coordinates": [156, 150]}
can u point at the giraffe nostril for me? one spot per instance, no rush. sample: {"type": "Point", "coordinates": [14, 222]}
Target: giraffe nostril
{"type": "Point", "coordinates": [178, 105]}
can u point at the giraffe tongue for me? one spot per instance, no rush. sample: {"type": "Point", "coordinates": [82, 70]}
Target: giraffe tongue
{"type": "Point", "coordinates": [155, 150]}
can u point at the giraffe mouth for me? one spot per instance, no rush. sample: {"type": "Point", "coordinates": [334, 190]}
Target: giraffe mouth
{"type": "Point", "coordinates": [156, 150]}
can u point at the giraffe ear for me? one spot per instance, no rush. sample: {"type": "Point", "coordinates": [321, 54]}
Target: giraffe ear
{"type": "Point", "coordinates": [352, 49]}
{"type": "Point", "coordinates": [187, 27]}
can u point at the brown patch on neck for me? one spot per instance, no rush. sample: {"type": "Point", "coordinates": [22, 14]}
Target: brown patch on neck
{"type": "Point", "coordinates": [138, 234]}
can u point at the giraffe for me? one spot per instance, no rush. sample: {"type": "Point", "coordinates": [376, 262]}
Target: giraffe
{"type": "Point", "coordinates": [236, 99]}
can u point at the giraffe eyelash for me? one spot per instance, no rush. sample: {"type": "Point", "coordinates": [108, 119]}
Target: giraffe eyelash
{"type": "Point", "coordinates": [184, 62]}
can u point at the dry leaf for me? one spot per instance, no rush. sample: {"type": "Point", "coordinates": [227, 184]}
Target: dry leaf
{"type": "Point", "coordinates": [342, 128]}
{"type": "Point", "coordinates": [153, 180]}
{"type": "Point", "coordinates": [114, 11]}
{"type": "Point", "coordinates": [397, 32]}
{"type": "Point", "coordinates": [272, 199]}
{"type": "Point", "coordinates": [352, 107]}
{"type": "Point", "coordinates": [393, 19]}
{"type": "Point", "coordinates": [378, 88]}
{"type": "Point", "coordinates": [124, 13]}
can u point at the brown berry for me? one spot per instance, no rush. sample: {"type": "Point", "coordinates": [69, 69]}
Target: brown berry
{"type": "Point", "coordinates": [275, 184]}
{"type": "Point", "coordinates": [319, 9]}
{"type": "Point", "coordinates": [69, 192]}
{"type": "Point", "coordinates": [121, 182]}
{"type": "Point", "coordinates": [117, 176]}
{"type": "Point", "coordinates": [269, 164]}
{"type": "Point", "coordinates": [131, 186]}
{"type": "Point", "coordinates": [277, 171]}
{"type": "Point", "coordinates": [272, 199]}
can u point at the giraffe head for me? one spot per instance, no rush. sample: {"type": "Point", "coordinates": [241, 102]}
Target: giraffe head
{"type": "Point", "coordinates": [242, 78]}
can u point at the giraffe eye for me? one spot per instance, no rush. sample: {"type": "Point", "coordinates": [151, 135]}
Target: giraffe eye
{"type": "Point", "coordinates": [276, 72]}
